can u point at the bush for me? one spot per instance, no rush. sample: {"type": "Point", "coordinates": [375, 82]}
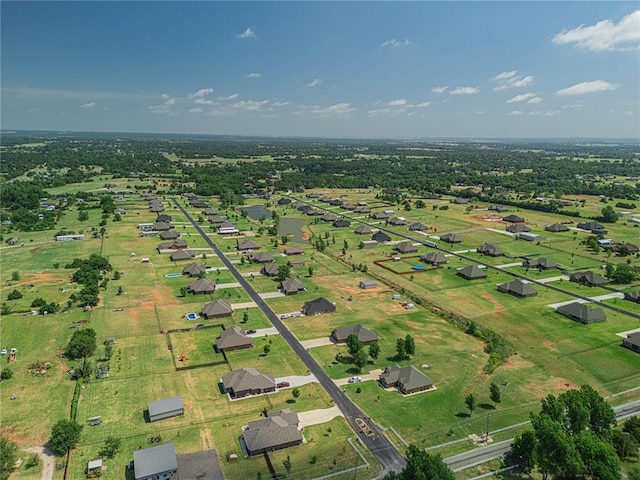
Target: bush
{"type": "Point", "coordinates": [14, 295]}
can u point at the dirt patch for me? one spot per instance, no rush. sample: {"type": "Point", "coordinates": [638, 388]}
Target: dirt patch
{"type": "Point", "coordinates": [10, 434]}
{"type": "Point", "coordinates": [64, 368]}
{"type": "Point", "coordinates": [306, 233]}
{"type": "Point", "coordinates": [39, 278]}
{"type": "Point", "coordinates": [490, 217]}
{"type": "Point", "coordinates": [565, 385]}
{"type": "Point", "coordinates": [189, 404]}
{"type": "Point", "coordinates": [499, 308]}
{"type": "Point", "coordinates": [549, 344]}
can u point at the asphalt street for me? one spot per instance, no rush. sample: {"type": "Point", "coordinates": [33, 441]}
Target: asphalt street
{"type": "Point", "coordinates": [378, 444]}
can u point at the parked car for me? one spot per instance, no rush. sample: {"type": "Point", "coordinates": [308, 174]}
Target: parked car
{"type": "Point", "coordinates": [283, 384]}
{"type": "Point", "coordinates": [355, 379]}
{"type": "Point", "coordinates": [285, 316]}
{"type": "Point", "coordinates": [251, 331]}
{"type": "Point", "coordinates": [3, 351]}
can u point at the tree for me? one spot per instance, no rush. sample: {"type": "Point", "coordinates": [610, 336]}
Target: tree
{"type": "Point", "coordinates": [360, 358]}
{"type": "Point", "coordinates": [65, 434]}
{"type": "Point", "coordinates": [623, 273]}
{"type": "Point", "coordinates": [401, 353]}
{"type": "Point", "coordinates": [111, 447]}
{"type": "Point", "coordinates": [284, 272]}
{"type": "Point", "coordinates": [295, 393]}
{"type": "Point", "coordinates": [120, 290]}
{"type": "Point", "coordinates": [8, 457]}
{"type": "Point", "coordinates": [609, 215]}
{"type": "Point", "coordinates": [523, 450]}
{"type": "Point", "coordinates": [82, 344]}
{"type": "Point", "coordinates": [6, 373]}
{"type": "Point", "coordinates": [494, 393]}
{"type": "Point", "coordinates": [470, 402]}
{"type": "Point", "coordinates": [245, 316]}
{"type": "Point", "coordinates": [374, 350]}
{"type": "Point", "coordinates": [422, 465]}
{"type": "Point", "coordinates": [15, 276]}
{"type": "Point", "coordinates": [83, 216]}
{"type": "Point", "coordinates": [409, 345]}
{"type": "Point", "coordinates": [266, 349]}
{"type": "Point", "coordinates": [287, 464]}
{"type": "Point", "coordinates": [183, 291]}
{"type": "Point", "coordinates": [310, 270]}
{"type": "Point", "coordinates": [14, 295]}
{"type": "Point", "coordinates": [354, 344]}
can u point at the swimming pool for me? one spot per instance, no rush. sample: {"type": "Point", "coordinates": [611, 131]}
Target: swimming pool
{"type": "Point", "coordinates": [171, 275]}
{"type": "Point", "coordinates": [191, 316]}
{"type": "Point", "coordinates": [418, 267]}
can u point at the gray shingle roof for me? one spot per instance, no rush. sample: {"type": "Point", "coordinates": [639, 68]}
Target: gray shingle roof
{"type": "Point", "coordinates": [247, 245]}
{"type": "Point", "coordinates": [363, 333]}
{"type": "Point", "coordinates": [472, 272]}
{"type": "Point", "coordinates": [233, 337]}
{"type": "Point", "coordinates": [406, 247]}
{"type": "Point", "coordinates": [154, 460]}
{"type": "Point", "coordinates": [319, 305]}
{"type": "Point", "coordinates": [434, 258]}
{"type": "Point", "coordinates": [292, 285]}
{"type": "Point", "coordinates": [277, 429]}
{"type": "Point", "coordinates": [248, 379]}
{"type": "Point", "coordinates": [202, 285]}
{"type": "Point", "coordinates": [582, 313]}
{"type": "Point", "coordinates": [217, 308]}
{"type": "Point", "coordinates": [518, 288]}
{"type": "Point", "coordinates": [193, 269]}
{"type": "Point", "coordinates": [408, 378]}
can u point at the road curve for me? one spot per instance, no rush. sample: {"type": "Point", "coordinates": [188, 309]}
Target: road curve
{"type": "Point", "coordinates": [378, 444]}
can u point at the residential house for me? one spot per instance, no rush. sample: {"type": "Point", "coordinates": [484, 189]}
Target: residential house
{"type": "Point", "coordinates": [590, 279]}
{"type": "Point", "coordinates": [248, 381]}
{"type": "Point", "coordinates": [540, 263]}
{"type": "Point", "coordinates": [366, 336]}
{"type": "Point", "coordinates": [556, 228]}
{"type": "Point", "coordinates": [406, 379]}
{"type": "Point", "coordinates": [341, 223]}
{"type": "Point", "coordinates": [270, 270]}
{"type": "Point", "coordinates": [451, 238]}
{"type": "Point", "coordinates": [513, 219]}
{"type": "Point", "coordinates": [363, 230]}
{"type": "Point", "coordinates": [180, 255]}
{"type": "Point", "coordinates": [329, 217]}
{"type": "Point", "coordinates": [460, 201]}
{"type": "Point", "coordinates": [632, 341]}
{"type": "Point", "coordinates": [472, 272]}
{"type": "Point", "coordinates": [193, 270]}
{"type": "Point", "coordinates": [405, 247]}
{"type": "Point", "coordinates": [169, 235]}
{"type": "Point", "coordinates": [164, 218]}
{"type": "Point", "coordinates": [165, 408]}
{"type": "Point", "coordinates": [155, 463]}
{"type": "Point", "coordinates": [490, 249]}
{"type": "Point", "coordinates": [163, 226]}
{"type": "Point", "coordinates": [518, 288]}
{"type": "Point", "coordinates": [318, 306]}
{"type": "Point", "coordinates": [216, 309]}
{"type": "Point", "coordinates": [580, 312]}
{"type": "Point", "coordinates": [279, 430]}
{"type": "Point", "coordinates": [625, 249]}
{"type": "Point", "coordinates": [593, 227]}
{"type": "Point", "coordinates": [291, 286]}
{"type": "Point", "coordinates": [294, 251]}
{"type": "Point", "coordinates": [362, 209]}
{"type": "Point", "coordinates": [233, 338]}
{"type": "Point", "coordinates": [295, 263]}
{"type": "Point", "coordinates": [348, 206]}
{"type": "Point", "coordinates": [202, 286]}
{"type": "Point", "coordinates": [517, 228]}
{"type": "Point", "coordinates": [418, 227]}
{"type": "Point", "coordinates": [434, 258]}
{"type": "Point", "coordinates": [177, 244]}
{"type": "Point", "coordinates": [216, 220]}
{"type": "Point", "coordinates": [367, 284]}
{"type": "Point", "coordinates": [284, 201]}
{"type": "Point", "coordinates": [380, 237]}
{"type": "Point", "coordinates": [632, 296]}
{"type": "Point", "coordinates": [210, 211]}
{"type": "Point", "coordinates": [397, 221]}
{"type": "Point", "coordinates": [498, 208]}
{"type": "Point", "coordinates": [246, 245]}
{"type": "Point", "coordinates": [261, 257]}
{"type": "Point", "coordinates": [378, 215]}
{"type": "Point", "coordinates": [336, 202]}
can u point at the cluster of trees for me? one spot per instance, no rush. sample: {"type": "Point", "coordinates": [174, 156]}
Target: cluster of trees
{"type": "Point", "coordinates": [356, 350]}
{"type": "Point", "coordinates": [89, 273]}
{"type": "Point", "coordinates": [571, 438]}
{"type": "Point", "coordinates": [405, 347]}
{"type": "Point", "coordinates": [422, 465]}
{"type": "Point", "coordinates": [82, 344]}
{"type": "Point", "coordinates": [621, 273]}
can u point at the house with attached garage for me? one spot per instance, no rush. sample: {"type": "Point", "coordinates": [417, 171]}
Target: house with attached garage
{"type": "Point", "coordinates": [518, 289]}
{"type": "Point", "coordinates": [216, 309]}
{"type": "Point", "coordinates": [406, 379]}
{"type": "Point", "coordinates": [490, 249]}
{"type": "Point", "coordinates": [580, 312]}
{"type": "Point", "coordinates": [590, 279]}
{"type": "Point", "coordinates": [233, 338]}
{"type": "Point", "coordinates": [632, 341]}
{"type": "Point", "coordinates": [279, 430]}
{"type": "Point", "coordinates": [472, 272]}
{"type": "Point", "coordinates": [318, 306]}
{"type": "Point", "coordinates": [248, 381]}
{"type": "Point", "coordinates": [366, 336]}
{"type": "Point", "coordinates": [291, 286]}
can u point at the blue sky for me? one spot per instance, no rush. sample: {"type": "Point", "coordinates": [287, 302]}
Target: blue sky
{"type": "Point", "coordinates": [330, 69]}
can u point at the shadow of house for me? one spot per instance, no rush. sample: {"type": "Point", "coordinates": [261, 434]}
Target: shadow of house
{"type": "Point", "coordinates": [580, 312]}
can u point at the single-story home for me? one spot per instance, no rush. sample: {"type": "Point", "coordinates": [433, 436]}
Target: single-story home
{"type": "Point", "coordinates": [381, 237]}
{"type": "Point", "coordinates": [541, 263]}
{"type": "Point", "coordinates": [233, 338]}
{"type": "Point", "coordinates": [279, 430]}
{"type": "Point", "coordinates": [366, 284]}
{"type": "Point", "coordinates": [365, 335]}
{"type": "Point", "coordinates": [460, 201]}
{"type": "Point", "coordinates": [490, 249]}
{"type": "Point", "coordinates": [378, 215]}
{"type": "Point", "coordinates": [472, 272]}
{"type": "Point", "coordinates": [397, 221]}
{"type": "Point", "coordinates": [418, 227]}
{"type": "Point", "coordinates": [210, 211]}
{"type": "Point", "coordinates": [336, 202]}
{"type": "Point", "coordinates": [293, 251]}
{"type": "Point", "coordinates": [593, 227]}
{"type": "Point", "coordinates": [164, 218]}
{"type": "Point", "coordinates": [348, 206]}
{"type": "Point", "coordinates": [451, 238]}
{"type": "Point", "coordinates": [518, 289]}
{"type": "Point", "coordinates": [295, 263]}
{"type": "Point", "coordinates": [556, 228]}
{"type": "Point", "coordinates": [217, 220]}
{"type": "Point", "coordinates": [406, 379]}
{"type": "Point", "coordinates": [248, 381]}
{"type": "Point", "coordinates": [202, 286]}
{"type": "Point", "coordinates": [329, 217]}
{"type": "Point", "coordinates": [180, 255]}
{"type": "Point", "coordinates": [434, 258]}
{"type": "Point", "coordinates": [341, 223]}
{"type": "Point", "coordinates": [513, 219]}
{"type": "Point", "coordinates": [169, 235]}
{"type": "Point", "coordinates": [363, 230]}
{"type": "Point", "coordinates": [245, 245]}
{"type": "Point", "coordinates": [517, 228]}
{"type": "Point", "coordinates": [632, 341]}
{"type": "Point", "coordinates": [318, 306]}
{"type": "Point", "coordinates": [193, 270]}
{"type": "Point", "coordinates": [284, 201]}
{"type": "Point", "coordinates": [270, 270]}
{"type": "Point", "coordinates": [155, 463]}
{"type": "Point", "coordinates": [580, 312]}
{"type": "Point", "coordinates": [176, 244]}
{"type": "Point", "coordinates": [362, 209]}
{"type": "Point", "coordinates": [261, 257]}
{"type": "Point", "coordinates": [632, 296]}
{"type": "Point", "coordinates": [165, 408]}
{"type": "Point", "coordinates": [163, 226]}
{"type": "Point", "coordinates": [406, 247]}
{"type": "Point", "coordinates": [590, 279]}
{"type": "Point", "coordinates": [291, 286]}
{"type": "Point", "coordinates": [217, 308]}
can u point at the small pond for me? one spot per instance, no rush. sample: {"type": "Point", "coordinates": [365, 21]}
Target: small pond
{"type": "Point", "coordinates": [292, 226]}
{"type": "Point", "coordinates": [256, 212]}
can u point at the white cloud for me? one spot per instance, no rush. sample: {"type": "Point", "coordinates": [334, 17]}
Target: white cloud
{"type": "Point", "coordinates": [196, 110]}
{"type": "Point", "coordinates": [422, 104]}
{"type": "Point", "coordinates": [515, 113]}
{"type": "Point", "coordinates": [250, 105]}
{"type": "Point", "coordinates": [480, 112]}
{"type": "Point", "coordinates": [253, 75]}
{"type": "Point", "coordinates": [605, 35]}
{"type": "Point", "coordinates": [278, 104]}
{"type": "Point", "coordinates": [464, 91]}
{"type": "Point", "coordinates": [165, 107]}
{"type": "Point", "coordinates": [88, 105]}
{"type": "Point", "coordinates": [314, 83]}
{"type": "Point", "coordinates": [545, 113]}
{"type": "Point", "coordinates": [385, 111]}
{"type": "Point", "coordinates": [534, 101]}
{"type": "Point", "coordinates": [512, 80]}
{"type": "Point", "coordinates": [397, 103]}
{"type": "Point", "coordinates": [521, 98]}
{"type": "Point", "coordinates": [203, 92]}
{"type": "Point", "coordinates": [248, 33]}
{"type": "Point", "coordinates": [203, 101]}
{"type": "Point", "coordinates": [233, 96]}
{"type": "Point", "coordinates": [438, 90]}
{"type": "Point", "coordinates": [587, 87]}
{"type": "Point", "coordinates": [394, 42]}
{"type": "Point", "coordinates": [337, 109]}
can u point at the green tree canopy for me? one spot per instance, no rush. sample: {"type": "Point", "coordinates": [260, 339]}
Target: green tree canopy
{"type": "Point", "coordinates": [65, 434]}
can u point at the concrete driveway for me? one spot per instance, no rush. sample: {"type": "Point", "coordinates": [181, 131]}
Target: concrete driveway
{"type": "Point", "coordinates": [236, 306]}
{"type": "Point", "coordinates": [317, 342]}
{"type": "Point", "coordinates": [297, 380]}
{"type": "Point", "coordinates": [372, 375]}
{"type": "Point", "coordinates": [271, 295]}
{"type": "Point", "coordinates": [320, 415]}
{"type": "Point", "coordinates": [228, 285]}
{"type": "Point", "coordinates": [261, 332]}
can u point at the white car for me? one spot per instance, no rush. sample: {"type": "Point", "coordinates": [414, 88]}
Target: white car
{"type": "Point", "coordinates": [355, 380]}
{"type": "Point", "coordinates": [285, 316]}
{"type": "Point", "coordinates": [3, 351]}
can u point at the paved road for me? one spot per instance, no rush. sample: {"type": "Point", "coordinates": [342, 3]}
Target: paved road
{"type": "Point", "coordinates": [484, 454]}
{"type": "Point", "coordinates": [378, 444]}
